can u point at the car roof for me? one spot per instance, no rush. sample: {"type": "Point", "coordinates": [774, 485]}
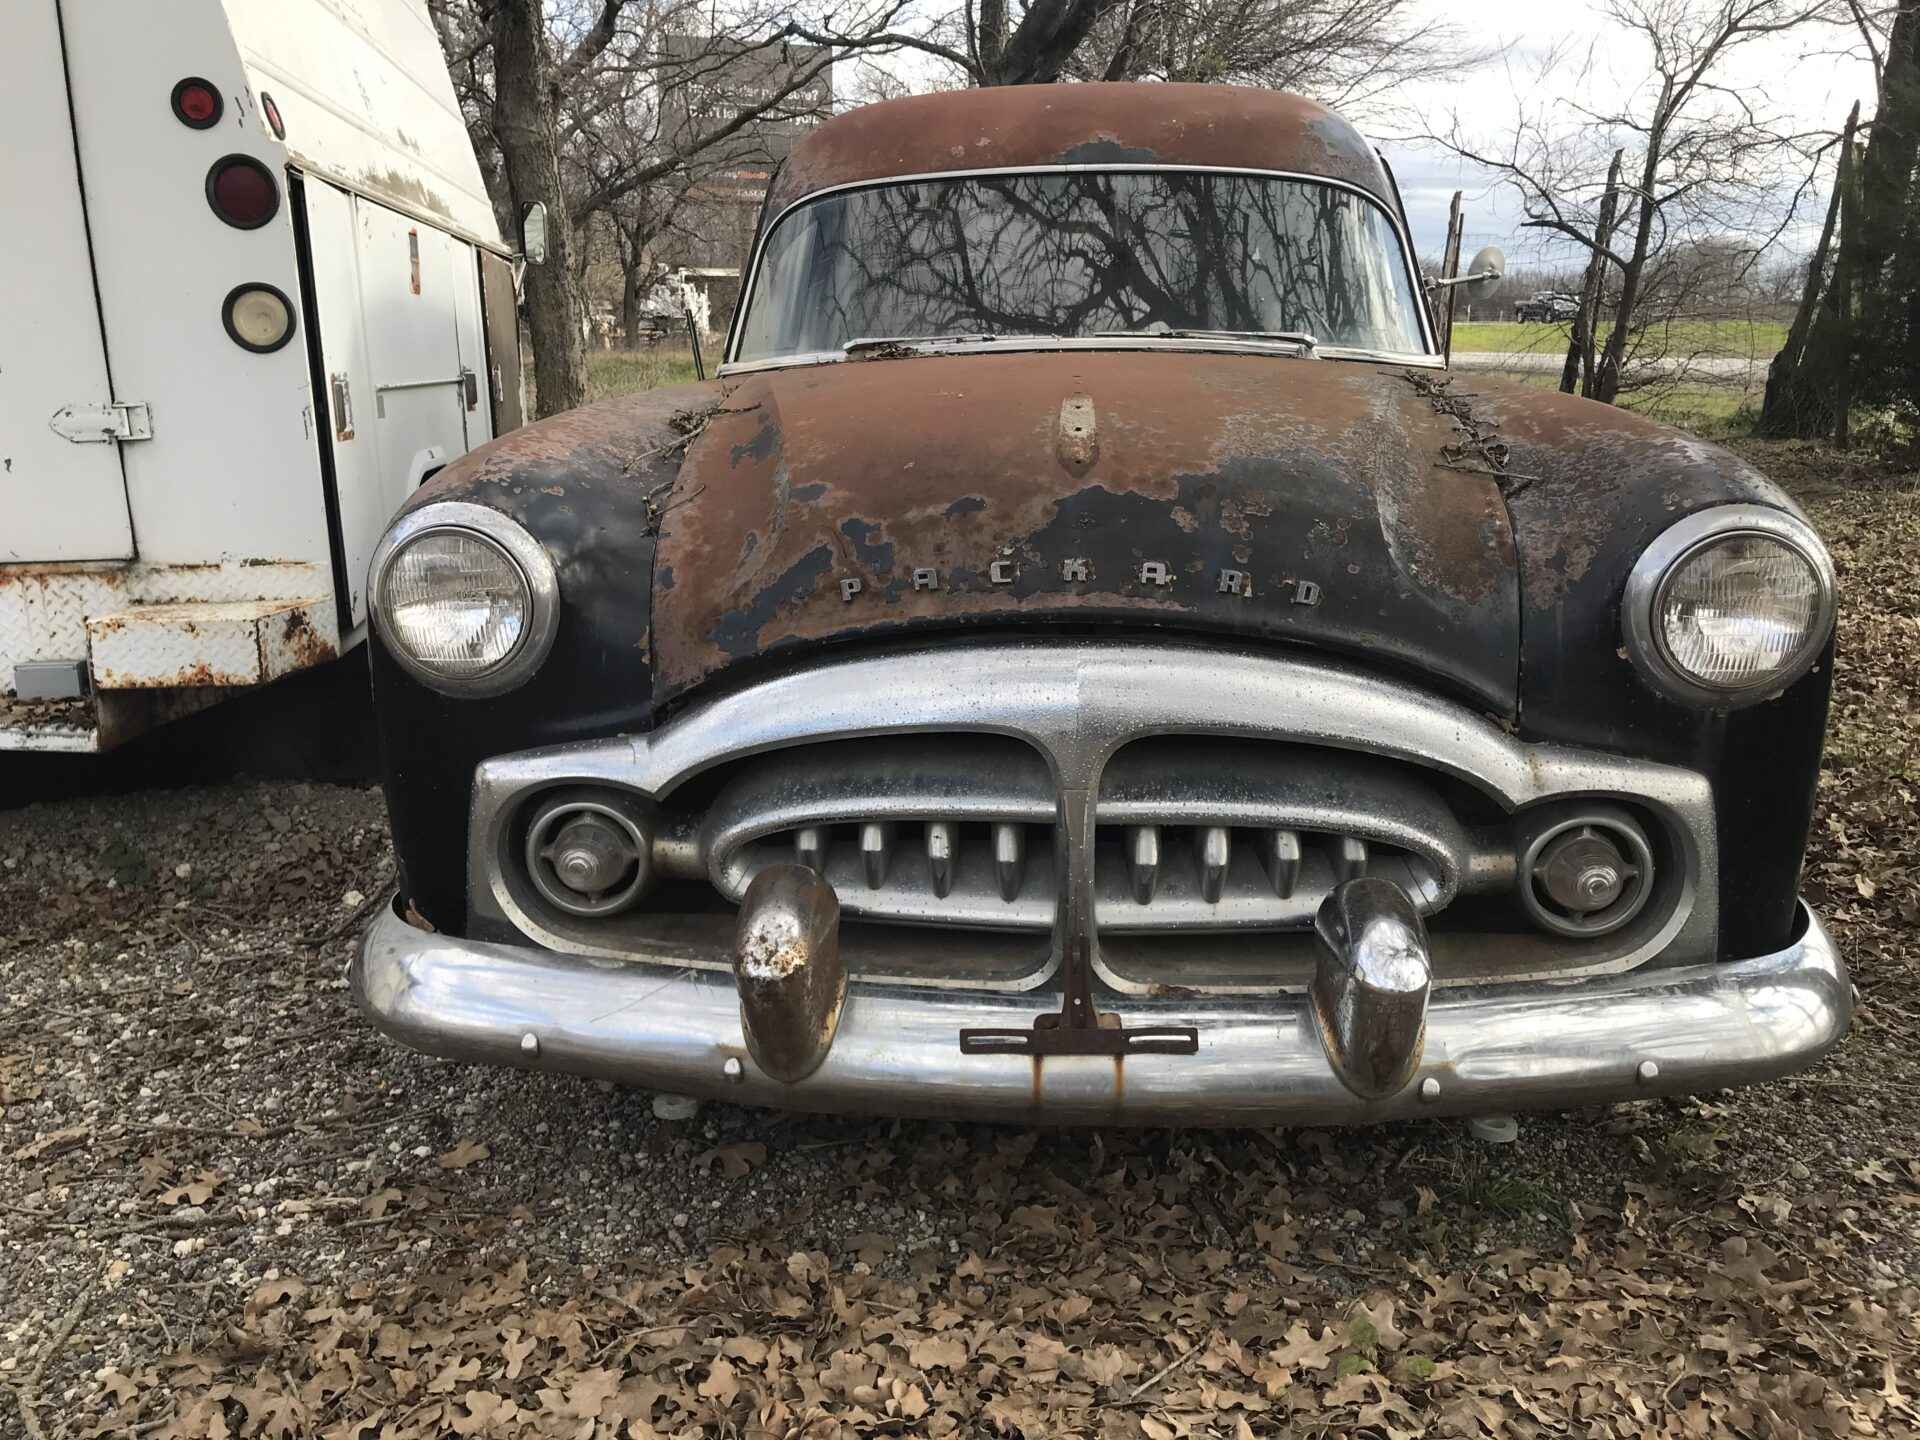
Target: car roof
{"type": "Point", "coordinates": [1037, 126]}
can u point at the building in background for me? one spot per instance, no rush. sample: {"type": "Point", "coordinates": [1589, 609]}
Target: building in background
{"type": "Point", "coordinates": [706, 82]}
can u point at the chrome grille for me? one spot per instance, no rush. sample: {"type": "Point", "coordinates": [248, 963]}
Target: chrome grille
{"type": "Point", "coordinates": [1059, 723]}
{"type": "Point", "coordinates": [1190, 834]}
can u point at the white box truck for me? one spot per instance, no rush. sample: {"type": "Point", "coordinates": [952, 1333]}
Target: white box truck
{"type": "Point", "coordinates": [252, 293]}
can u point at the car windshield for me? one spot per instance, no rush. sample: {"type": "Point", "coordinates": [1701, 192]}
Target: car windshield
{"type": "Point", "coordinates": [1082, 254]}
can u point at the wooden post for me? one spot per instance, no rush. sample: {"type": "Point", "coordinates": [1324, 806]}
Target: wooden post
{"type": "Point", "coordinates": [1449, 267]}
{"type": "Point", "coordinates": [1843, 267]}
{"type": "Point", "coordinates": [1579, 366]}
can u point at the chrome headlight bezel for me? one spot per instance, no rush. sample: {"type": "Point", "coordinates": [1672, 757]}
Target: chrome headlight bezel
{"type": "Point", "coordinates": [1661, 561]}
{"type": "Point", "coordinates": [525, 553]}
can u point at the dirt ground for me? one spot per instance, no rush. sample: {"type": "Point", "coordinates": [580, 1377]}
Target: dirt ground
{"type": "Point", "coordinates": [227, 1208]}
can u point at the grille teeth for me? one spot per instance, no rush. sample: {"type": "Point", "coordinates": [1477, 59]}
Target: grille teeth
{"type": "Point", "coordinates": [1214, 849]}
{"type": "Point", "coordinates": [810, 848]}
{"type": "Point", "coordinates": [1143, 860]}
{"type": "Point", "coordinates": [876, 851]}
{"type": "Point", "coordinates": [943, 853]}
{"type": "Point", "coordinates": [1010, 859]}
{"type": "Point", "coordinates": [1349, 858]}
{"type": "Point", "coordinates": [1280, 853]}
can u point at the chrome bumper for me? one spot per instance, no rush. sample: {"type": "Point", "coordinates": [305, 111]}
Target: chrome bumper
{"type": "Point", "coordinates": [1537, 1045]}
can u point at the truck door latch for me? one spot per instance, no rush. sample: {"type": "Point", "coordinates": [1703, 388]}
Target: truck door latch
{"type": "Point", "coordinates": [97, 424]}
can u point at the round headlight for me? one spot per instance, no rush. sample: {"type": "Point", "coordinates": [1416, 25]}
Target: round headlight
{"type": "Point", "coordinates": [465, 599]}
{"type": "Point", "coordinates": [1730, 605]}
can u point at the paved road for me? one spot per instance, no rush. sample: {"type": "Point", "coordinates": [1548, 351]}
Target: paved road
{"type": "Point", "coordinates": [1534, 362]}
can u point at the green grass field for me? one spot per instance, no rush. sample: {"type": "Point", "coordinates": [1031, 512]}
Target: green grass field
{"type": "Point", "coordinates": [1707, 409]}
{"type": "Point", "coordinates": [620, 372]}
{"type": "Point", "coordinates": [1734, 339]}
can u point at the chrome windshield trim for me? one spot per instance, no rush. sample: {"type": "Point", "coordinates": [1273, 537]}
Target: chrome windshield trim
{"type": "Point", "coordinates": [1077, 703]}
{"type": "Point", "coordinates": [1273, 349]}
{"type": "Point", "coordinates": [752, 276]}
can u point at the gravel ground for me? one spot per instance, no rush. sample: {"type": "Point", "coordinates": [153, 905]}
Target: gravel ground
{"type": "Point", "coordinates": [228, 1208]}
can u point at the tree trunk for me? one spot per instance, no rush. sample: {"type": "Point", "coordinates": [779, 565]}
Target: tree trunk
{"type": "Point", "coordinates": [633, 300]}
{"type": "Point", "coordinates": [1606, 375]}
{"type": "Point", "coordinates": [1580, 346]}
{"type": "Point", "coordinates": [525, 124]}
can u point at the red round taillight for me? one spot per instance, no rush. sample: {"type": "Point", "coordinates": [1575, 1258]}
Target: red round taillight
{"type": "Point", "coordinates": [272, 112]}
{"type": "Point", "coordinates": [196, 103]}
{"type": "Point", "coordinates": [242, 192]}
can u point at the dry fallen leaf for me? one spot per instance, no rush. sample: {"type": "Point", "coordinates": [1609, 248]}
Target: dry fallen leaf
{"type": "Point", "coordinates": [52, 1143]}
{"type": "Point", "coordinates": [196, 1191]}
{"type": "Point", "coordinates": [467, 1152]}
{"type": "Point", "coordinates": [734, 1160]}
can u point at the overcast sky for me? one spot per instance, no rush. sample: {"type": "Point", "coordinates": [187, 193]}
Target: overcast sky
{"type": "Point", "coordinates": [1814, 91]}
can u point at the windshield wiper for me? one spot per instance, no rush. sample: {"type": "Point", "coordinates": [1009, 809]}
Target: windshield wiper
{"type": "Point", "coordinates": [1302, 338]}
{"type": "Point", "coordinates": [911, 342]}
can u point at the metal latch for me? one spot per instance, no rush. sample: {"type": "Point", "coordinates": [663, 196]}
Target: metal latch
{"type": "Point", "coordinates": [342, 405]}
{"type": "Point", "coordinates": [95, 424]}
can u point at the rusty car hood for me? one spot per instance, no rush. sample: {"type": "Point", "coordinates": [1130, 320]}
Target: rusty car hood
{"type": "Point", "coordinates": [1292, 500]}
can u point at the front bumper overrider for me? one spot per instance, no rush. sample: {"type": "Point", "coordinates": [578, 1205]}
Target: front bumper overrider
{"type": "Point", "coordinates": [1546, 1044]}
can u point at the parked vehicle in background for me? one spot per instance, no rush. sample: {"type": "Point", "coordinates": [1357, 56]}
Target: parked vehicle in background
{"type": "Point", "coordinates": [255, 294]}
{"type": "Point", "coordinates": [1082, 660]}
{"type": "Point", "coordinates": [1551, 305]}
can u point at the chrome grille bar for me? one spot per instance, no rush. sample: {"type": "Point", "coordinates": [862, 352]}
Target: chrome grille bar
{"type": "Point", "coordinates": [1073, 705]}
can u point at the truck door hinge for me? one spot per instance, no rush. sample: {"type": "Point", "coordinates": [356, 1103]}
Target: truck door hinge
{"type": "Point", "coordinates": [95, 424]}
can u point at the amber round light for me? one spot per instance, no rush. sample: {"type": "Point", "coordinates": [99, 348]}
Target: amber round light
{"type": "Point", "coordinates": [258, 317]}
{"type": "Point", "coordinates": [242, 192]}
{"type": "Point", "coordinates": [196, 103]}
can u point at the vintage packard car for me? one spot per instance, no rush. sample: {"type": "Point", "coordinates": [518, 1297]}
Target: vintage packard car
{"type": "Point", "coordinates": [1085, 659]}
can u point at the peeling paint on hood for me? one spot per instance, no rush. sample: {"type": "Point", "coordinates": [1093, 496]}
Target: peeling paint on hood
{"type": "Point", "coordinates": [1294, 500]}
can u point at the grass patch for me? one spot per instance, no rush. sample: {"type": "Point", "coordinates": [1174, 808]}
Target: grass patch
{"type": "Point", "coordinates": [624, 372]}
{"type": "Point", "coordinates": [621, 372]}
{"type": "Point", "coordinates": [1703, 339]}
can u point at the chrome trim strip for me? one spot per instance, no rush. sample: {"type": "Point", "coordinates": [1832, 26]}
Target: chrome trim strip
{"type": "Point", "coordinates": [1407, 257]}
{"type": "Point", "coordinates": [527, 554]}
{"type": "Point", "coordinates": [1077, 702]}
{"type": "Point", "coordinates": [1656, 565]}
{"type": "Point", "coordinates": [1654, 1031]}
{"type": "Point", "coordinates": [1079, 343]}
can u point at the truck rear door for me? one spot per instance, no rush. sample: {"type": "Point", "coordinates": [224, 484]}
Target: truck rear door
{"type": "Point", "coordinates": [397, 303]}
{"type": "Point", "coordinates": [63, 495]}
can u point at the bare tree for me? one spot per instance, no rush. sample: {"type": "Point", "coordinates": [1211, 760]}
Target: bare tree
{"type": "Point", "coordinates": [1859, 315]}
{"type": "Point", "coordinates": [1701, 159]}
{"type": "Point", "coordinates": [542, 81]}
{"type": "Point", "coordinates": [1343, 52]}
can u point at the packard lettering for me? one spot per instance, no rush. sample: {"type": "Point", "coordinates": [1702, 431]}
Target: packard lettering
{"type": "Point", "coordinates": [1004, 570]}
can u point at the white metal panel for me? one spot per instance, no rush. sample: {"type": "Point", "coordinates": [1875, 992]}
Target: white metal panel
{"type": "Point", "coordinates": [232, 471]}
{"type": "Point", "coordinates": [333, 228]}
{"type": "Point", "coordinates": [413, 345]}
{"type": "Point", "coordinates": [366, 98]}
{"type": "Point", "coordinates": [58, 500]}
{"type": "Point", "coordinates": [397, 348]}
{"type": "Point", "coordinates": [470, 331]}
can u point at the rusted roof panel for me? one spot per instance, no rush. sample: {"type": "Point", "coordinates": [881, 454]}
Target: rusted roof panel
{"type": "Point", "coordinates": [1037, 125]}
